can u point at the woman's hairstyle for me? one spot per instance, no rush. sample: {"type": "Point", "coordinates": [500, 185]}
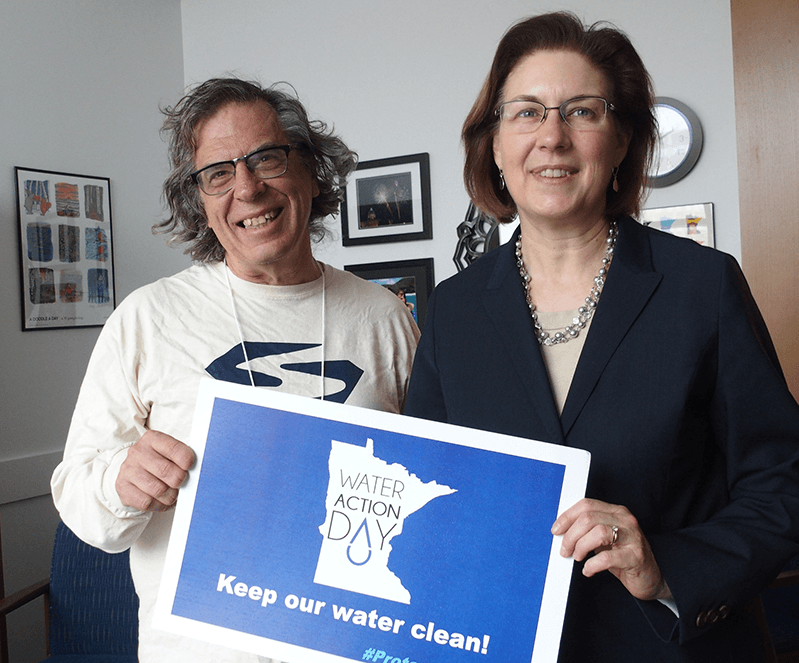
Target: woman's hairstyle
{"type": "Point", "coordinates": [608, 49]}
{"type": "Point", "coordinates": [325, 156]}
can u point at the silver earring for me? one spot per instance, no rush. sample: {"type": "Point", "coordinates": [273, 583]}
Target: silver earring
{"type": "Point", "coordinates": [501, 180]}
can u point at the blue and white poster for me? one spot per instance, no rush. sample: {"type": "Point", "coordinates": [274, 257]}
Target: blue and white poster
{"type": "Point", "coordinates": [318, 532]}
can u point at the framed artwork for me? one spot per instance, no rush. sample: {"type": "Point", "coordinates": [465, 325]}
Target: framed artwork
{"type": "Point", "coordinates": [692, 221]}
{"type": "Point", "coordinates": [66, 249]}
{"type": "Point", "coordinates": [411, 280]}
{"type": "Point", "coordinates": [388, 200]}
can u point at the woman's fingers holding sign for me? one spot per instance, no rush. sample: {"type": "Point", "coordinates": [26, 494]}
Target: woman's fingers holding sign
{"type": "Point", "coordinates": [609, 538]}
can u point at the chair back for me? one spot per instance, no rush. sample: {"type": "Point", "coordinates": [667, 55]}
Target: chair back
{"type": "Point", "coordinates": [93, 604]}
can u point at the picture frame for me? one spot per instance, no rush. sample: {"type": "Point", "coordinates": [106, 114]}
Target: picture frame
{"type": "Point", "coordinates": [411, 280]}
{"type": "Point", "coordinates": [388, 200]}
{"type": "Point", "coordinates": [692, 221]}
{"type": "Point", "coordinates": [66, 249]}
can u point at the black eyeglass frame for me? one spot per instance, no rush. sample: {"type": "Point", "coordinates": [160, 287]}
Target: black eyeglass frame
{"type": "Point", "coordinates": [195, 176]}
{"type": "Point", "coordinates": [608, 106]}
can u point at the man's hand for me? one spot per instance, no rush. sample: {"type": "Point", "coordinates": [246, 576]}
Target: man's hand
{"type": "Point", "coordinates": [156, 466]}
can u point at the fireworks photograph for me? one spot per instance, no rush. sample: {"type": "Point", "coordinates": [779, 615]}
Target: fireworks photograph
{"type": "Point", "coordinates": [388, 200]}
{"type": "Point", "coordinates": [385, 201]}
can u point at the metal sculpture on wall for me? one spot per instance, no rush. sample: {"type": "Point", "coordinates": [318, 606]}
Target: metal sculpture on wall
{"type": "Point", "coordinates": [477, 235]}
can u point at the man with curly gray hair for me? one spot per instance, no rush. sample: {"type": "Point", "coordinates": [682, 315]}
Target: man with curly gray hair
{"type": "Point", "coordinates": [252, 179]}
{"type": "Point", "coordinates": [323, 154]}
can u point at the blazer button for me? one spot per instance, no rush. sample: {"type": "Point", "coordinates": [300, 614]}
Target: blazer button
{"type": "Point", "coordinates": [701, 619]}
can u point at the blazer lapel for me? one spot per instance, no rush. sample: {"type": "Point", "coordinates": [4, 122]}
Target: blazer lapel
{"type": "Point", "coordinates": [629, 286]}
{"type": "Point", "coordinates": [504, 301]}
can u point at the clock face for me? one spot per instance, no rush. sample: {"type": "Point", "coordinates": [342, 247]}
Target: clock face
{"type": "Point", "coordinates": [679, 142]}
{"type": "Point", "coordinates": [674, 140]}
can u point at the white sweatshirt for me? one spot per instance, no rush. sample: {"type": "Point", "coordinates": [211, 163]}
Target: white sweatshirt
{"type": "Point", "coordinates": [145, 371]}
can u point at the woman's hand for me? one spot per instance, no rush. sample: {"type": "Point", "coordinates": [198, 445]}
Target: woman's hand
{"type": "Point", "coordinates": [589, 526]}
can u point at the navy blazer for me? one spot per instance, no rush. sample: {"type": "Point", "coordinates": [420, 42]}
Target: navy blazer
{"type": "Point", "coordinates": [680, 399]}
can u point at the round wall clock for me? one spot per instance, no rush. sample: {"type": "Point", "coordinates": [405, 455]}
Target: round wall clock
{"type": "Point", "coordinates": [679, 142]}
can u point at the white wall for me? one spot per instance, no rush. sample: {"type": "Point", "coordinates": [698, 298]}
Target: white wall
{"type": "Point", "coordinates": [399, 78]}
{"type": "Point", "coordinates": [81, 83]}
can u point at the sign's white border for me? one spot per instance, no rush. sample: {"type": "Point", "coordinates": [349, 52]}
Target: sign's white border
{"type": "Point", "coordinates": [556, 587]}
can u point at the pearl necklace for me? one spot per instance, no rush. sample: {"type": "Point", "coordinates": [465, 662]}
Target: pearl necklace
{"type": "Point", "coordinates": [584, 313]}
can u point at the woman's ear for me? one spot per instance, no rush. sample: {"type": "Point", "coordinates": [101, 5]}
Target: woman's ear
{"type": "Point", "coordinates": [497, 151]}
{"type": "Point", "coordinates": [624, 135]}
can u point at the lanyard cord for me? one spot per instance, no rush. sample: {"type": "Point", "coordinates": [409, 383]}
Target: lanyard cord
{"type": "Point", "coordinates": [241, 335]}
{"type": "Point", "coordinates": [322, 368]}
{"type": "Point", "coordinates": [238, 325]}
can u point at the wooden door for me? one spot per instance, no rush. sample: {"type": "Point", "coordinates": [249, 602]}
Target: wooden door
{"type": "Point", "coordinates": [765, 39]}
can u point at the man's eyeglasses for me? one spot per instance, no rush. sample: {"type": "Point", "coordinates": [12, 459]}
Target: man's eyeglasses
{"type": "Point", "coordinates": [265, 163]}
{"type": "Point", "coordinates": [580, 113]}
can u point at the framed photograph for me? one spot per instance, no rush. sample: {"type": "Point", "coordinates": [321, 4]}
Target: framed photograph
{"type": "Point", "coordinates": [66, 249]}
{"type": "Point", "coordinates": [692, 221]}
{"type": "Point", "coordinates": [388, 200]}
{"type": "Point", "coordinates": [411, 280]}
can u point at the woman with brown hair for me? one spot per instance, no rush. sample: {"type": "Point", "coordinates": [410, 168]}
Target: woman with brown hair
{"type": "Point", "coordinates": [589, 330]}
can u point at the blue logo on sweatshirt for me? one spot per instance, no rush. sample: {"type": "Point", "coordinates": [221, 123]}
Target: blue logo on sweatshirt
{"type": "Point", "coordinates": [231, 367]}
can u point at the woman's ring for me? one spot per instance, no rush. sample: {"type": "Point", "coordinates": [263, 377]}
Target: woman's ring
{"type": "Point", "coordinates": [615, 535]}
